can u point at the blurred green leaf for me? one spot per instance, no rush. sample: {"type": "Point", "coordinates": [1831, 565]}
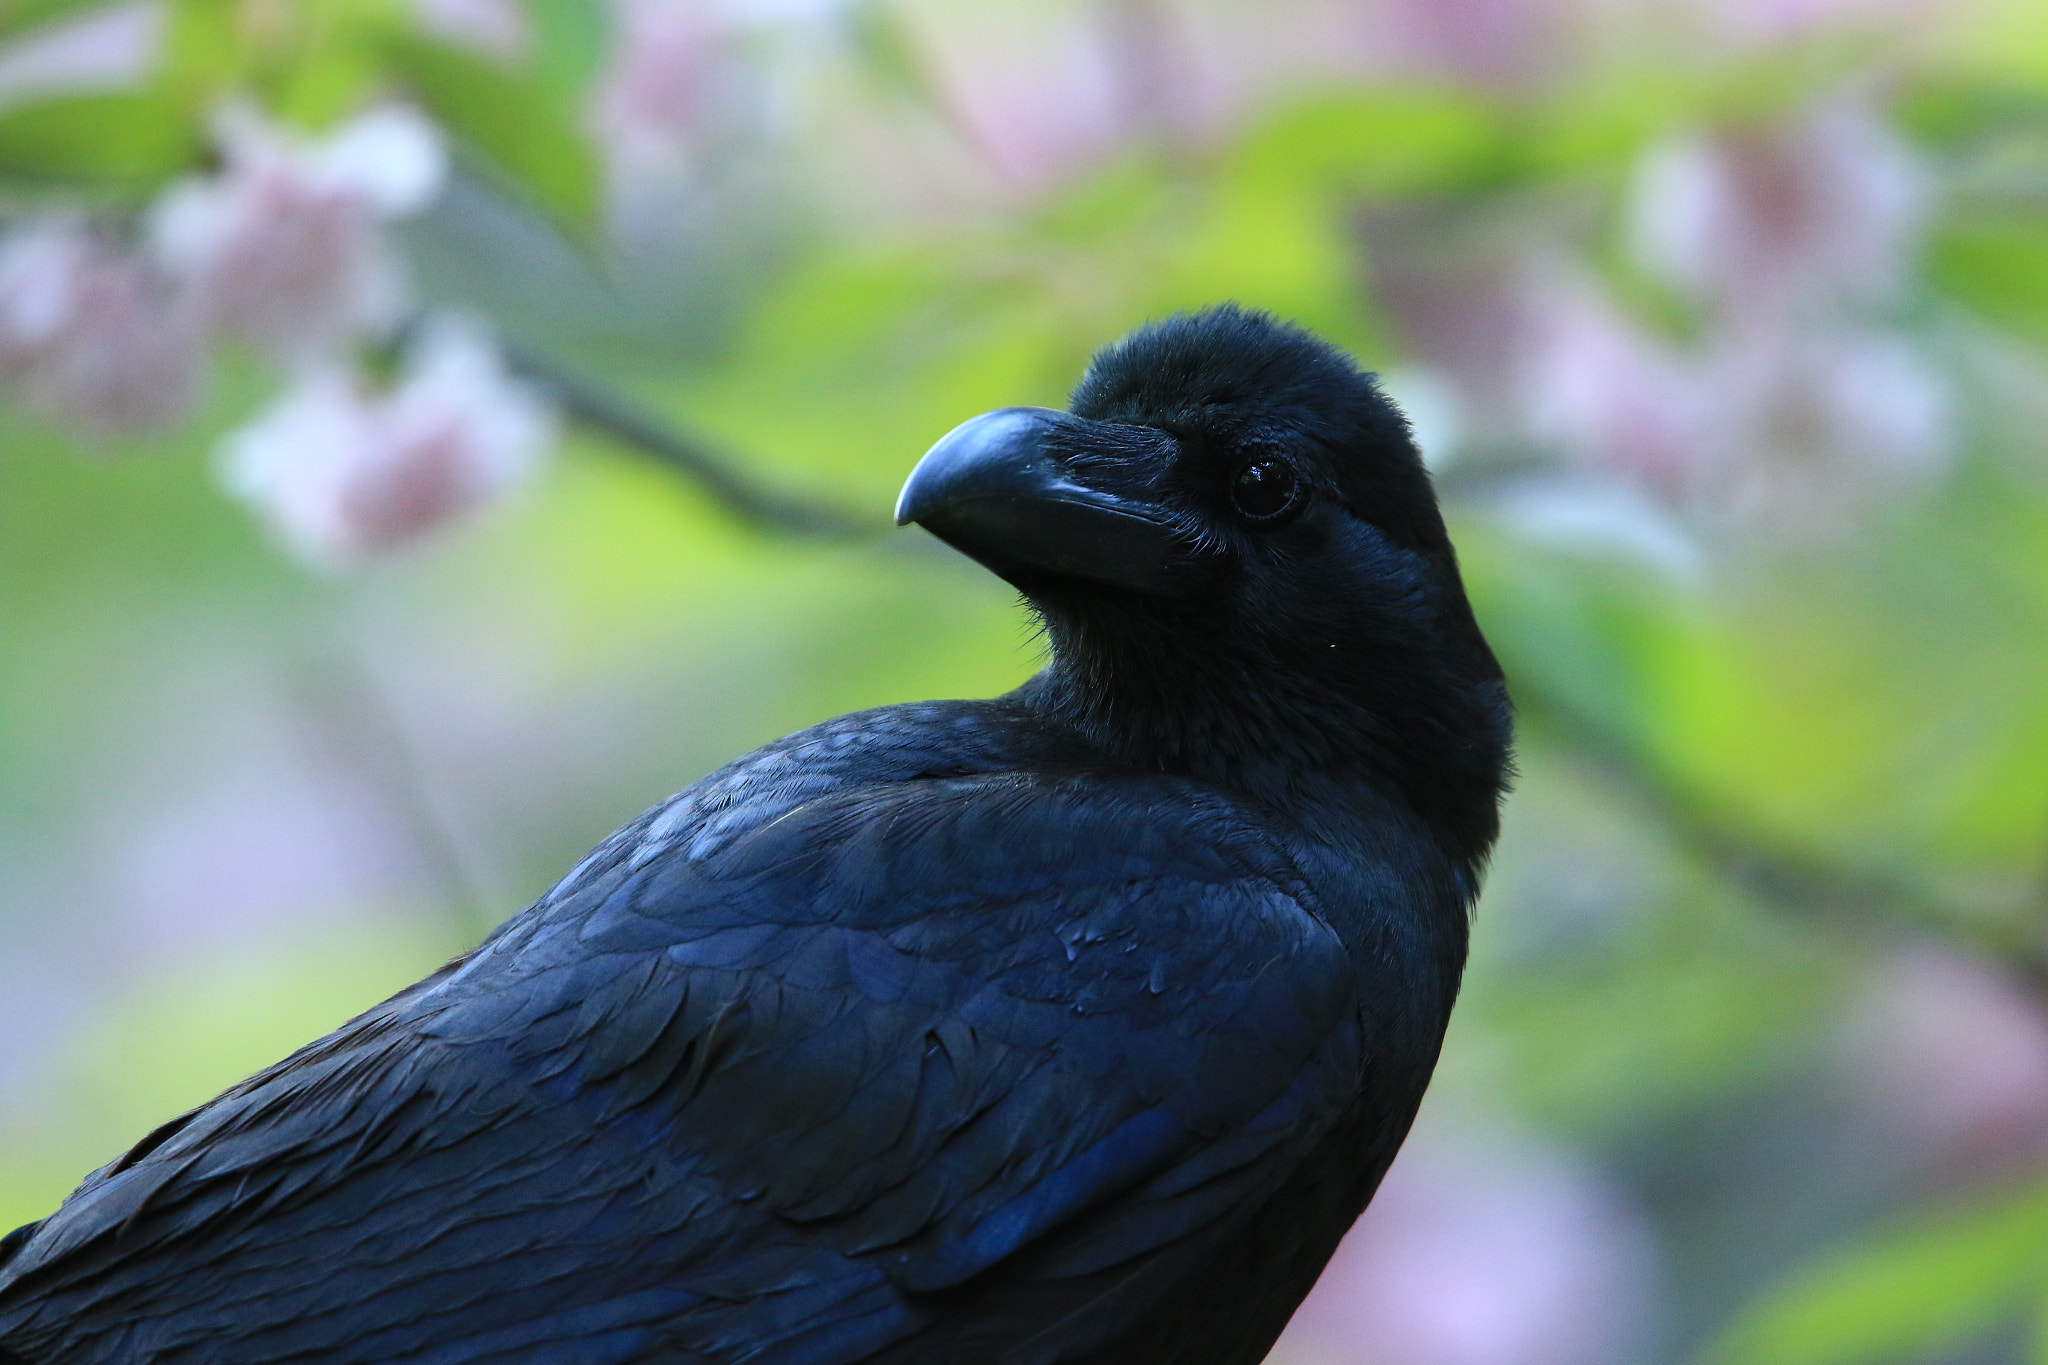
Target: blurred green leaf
{"type": "Point", "coordinates": [1381, 142]}
{"type": "Point", "coordinates": [1904, 1294]}
{"type": "Point", "coordinates": [570, 42]}
{"type": "Point", "coordinates": [1998, 42]}
{"type": "Point", "coordinates": [1696, 1000]}
{"type": "Point", "coordinates": [205, 51]}
{"type": "Point", "coordinates": [889, 54]}
{"type": "Point", "coordinates": [1997, 266]}
{"type": "Point", "coordinates": [517, 125]}
{"type": "Point", "coordinates": [1947, 114]}
{"type": "Point", "coordinates": [138, 139]}
{"type": "Point", "coordinates": [1585, 627]}
{"type": "Point", "coordinates": [19, 16]}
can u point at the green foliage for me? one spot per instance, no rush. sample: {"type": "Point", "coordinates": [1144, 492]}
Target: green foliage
{"type": "Point", "coordinates": [521, 128]}
{"type": "Point", "coordinates": [1904, 1294]}
{"type": "Point", "coordinates": [121, 141]}
{"type": "Point", "coordinates": [19, 16]}
{"type": "Point", "coordinates": [1997, 265]}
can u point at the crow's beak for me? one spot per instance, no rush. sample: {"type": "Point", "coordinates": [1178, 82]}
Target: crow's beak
{"type": "Point", "coordinates": [997, 488]}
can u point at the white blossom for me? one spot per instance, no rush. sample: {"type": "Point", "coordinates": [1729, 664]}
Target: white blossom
{"type": "Point", "coordinates": [343, 475]}
{"type": "Point", "coordinates": [284, 246]}
{"type": "Point", "coordinates": [89, 334]}
{"type": "Point", "coordinates": [110, 47]}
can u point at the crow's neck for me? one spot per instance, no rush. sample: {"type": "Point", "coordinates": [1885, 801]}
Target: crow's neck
{"type": "Point", "coordinates": [1420, 726]}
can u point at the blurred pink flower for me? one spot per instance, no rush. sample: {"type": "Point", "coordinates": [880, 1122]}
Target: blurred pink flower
{"type": "Point", "coordinates": [658, 92]}
{"type": "Point", "coordinates": [674, 91]}
{"type": "Point", "coordinates": [1619, 399]}
{"type": "Point", "coordinates": [1953, 1056]}
{"type": "Point", "coordinates": [1795, 398]}
{"type": "Point", "coordinates": [1794, 425]}
{"type": "Point", "coordinates": [1486, 42]}
{"type": "Point", "coordinates": [1040, 92]}
{"type": "Point", "coordinates": [1771, 225]}
{"type": "Point", "coordinates": [90, 334]}
{"type": "Point", "coordinates": [1824, 422]}
{"type": "Point", "coordinates": [343, 476]}
{"type": "Point", "coordinates": [496, 28]}
{"type": "Point", "coordinates": [1491, 1250]}
{"type": "Point", "coordinates": [284, 247]}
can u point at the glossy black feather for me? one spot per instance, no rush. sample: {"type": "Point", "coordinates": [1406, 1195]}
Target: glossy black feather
{"type": "Point", "coordinates": [1071, 1026]}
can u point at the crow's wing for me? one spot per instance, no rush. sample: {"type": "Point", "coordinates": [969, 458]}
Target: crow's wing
{"type": "Point", "coordinates": [801, 1092]}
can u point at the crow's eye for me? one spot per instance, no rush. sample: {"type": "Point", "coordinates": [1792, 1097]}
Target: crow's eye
{"type": "Point", "coordinates": [1264, 489]}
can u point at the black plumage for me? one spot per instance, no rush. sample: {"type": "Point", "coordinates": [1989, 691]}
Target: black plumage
{"type": "Point", "coordinates": [1075, 1025]}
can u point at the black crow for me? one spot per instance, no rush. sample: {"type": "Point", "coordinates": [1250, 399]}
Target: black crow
{"type": "Point", "coordinates": [1076, 1025]}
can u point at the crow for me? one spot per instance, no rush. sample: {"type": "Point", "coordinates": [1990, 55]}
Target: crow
{"type": "Point", "coordinates": [1075, 1025]}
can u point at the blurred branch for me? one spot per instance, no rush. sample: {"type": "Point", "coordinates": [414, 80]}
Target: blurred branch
{"type": "Point", "coordinates": [361, 729]}
{"type": "Point", "coordinates": [892, 56]}
{"type": "Point", "coordinates": [1786, 879]}
{"type": "Point", "coordinates": [614, 415]}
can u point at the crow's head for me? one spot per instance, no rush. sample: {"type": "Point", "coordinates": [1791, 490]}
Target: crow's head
{"type": "Point", "coordinates": [1238, 557]}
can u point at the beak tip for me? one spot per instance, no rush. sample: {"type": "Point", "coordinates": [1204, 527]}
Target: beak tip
{"type": "Point", "coordinates": [994, 489]}
{"type": "Point", "coordinates": [961, 458]}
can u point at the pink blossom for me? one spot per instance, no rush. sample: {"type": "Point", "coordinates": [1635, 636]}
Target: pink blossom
{"type": "Point", "coordinates": [1771, 225]}
{"type": "Point", "coordinates": [284, 246]}
{"type": "Point", "coordinates": [89, 334]}
{"type": "Point", "coordinates": [1485, 42]}
{"type": "Point", "coordinates": [657, 95]}
{"type": "Point", "coordinates": [1600, 386]}
{"type": "Point", "coordinates": [1952, 1056]}
{"type": "Point", "coordinates": [1482, 1250]}
{"type": "Point", "coordinates": [342, 475]}
{"type": "Point", "coordinates": [1035, 92]}
{"type": "Point", "coordinates": [671, 90]}
{"type": "Point", "coordinates": [1823, 422]}
{"type": "Point", "coordinates": [1797, 425]}
{"type": "Point", "coordinates": [1797, 402]}
{"type": "Point", "coordinates": [1794, 399]}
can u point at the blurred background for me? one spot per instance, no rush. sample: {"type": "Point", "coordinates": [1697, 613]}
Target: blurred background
{"type": "Point", "coordinates": [433, 430]}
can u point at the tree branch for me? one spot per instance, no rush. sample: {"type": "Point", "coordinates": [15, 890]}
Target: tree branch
{"type": "Point", "coordinates": [614, 415]}
{"type": "Point", "coordinates": [1784, 878]}
{"type": "Point", "coordinates": [347, 710]}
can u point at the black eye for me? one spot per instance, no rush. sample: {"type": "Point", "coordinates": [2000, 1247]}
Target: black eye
{"type": "Point", "coordinates": [1264, 489]}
